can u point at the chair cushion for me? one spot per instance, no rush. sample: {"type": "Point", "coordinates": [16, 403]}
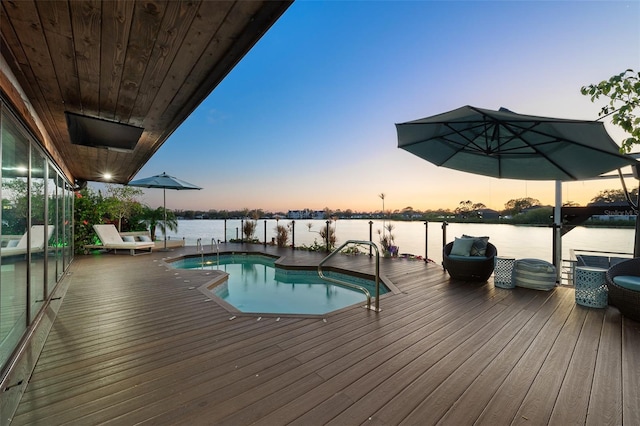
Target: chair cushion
{"type": "Point", "coordinates": [479, 247]}
{"type": "Point", "coordinates": [630, 282]}
{"type": "Point", "coordinates": [461, 247]}
{"type": "Point", "coordinates": [129, 239]}
{"type": "Point", "coordinates": [145, 238]}
{"type": "Point", "coordinates": [13, 243]}
{"type": "Point", "coordinates": [467, 258]}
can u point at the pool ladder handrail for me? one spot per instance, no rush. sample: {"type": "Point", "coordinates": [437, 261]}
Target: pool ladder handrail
{"type": "Point", "coordinates": [356, 286]}
{"type": "Point", "coordinates": [213, 240]}
{"type": "Point", "coordinates": [200, 249]}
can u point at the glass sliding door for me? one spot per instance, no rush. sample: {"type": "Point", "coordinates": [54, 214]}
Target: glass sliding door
{"type": "Point", "coordinates": [68, 225]}
{"type": "Point", "coordinates": [52, 215]}
{"type": "Point", "coordinates": [14, 146]}
{"type": "Point", "coordinates": [39, 230]}
{"type": "Point", "coordinates": [60, 227]}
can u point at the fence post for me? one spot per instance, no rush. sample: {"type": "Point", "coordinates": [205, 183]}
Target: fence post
{"type": "Point", "coordinates": [370, 237]}
{"type": "Point", "coordinates": [444, 233]}
{"type": "Point", "coordinates": [328, 222]}
{"type": "Point", "coordinates": [293, 234]}
{"type": "Point", "coordinates": [265, 233]}
{"type": "Point", "coordinates": [225, 231]}
{"type": "Point", "coordinates": [426, 240]}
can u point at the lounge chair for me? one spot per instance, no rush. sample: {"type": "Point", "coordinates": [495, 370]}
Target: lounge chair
{"type": "Point", "coordinates": [38, 241]}
{"type": "Point", "coordinates": [623, 282]}
{"type": "Point", "coordinates": [469, 268]}
{"type": "Point", "coordinates": [111, 240]}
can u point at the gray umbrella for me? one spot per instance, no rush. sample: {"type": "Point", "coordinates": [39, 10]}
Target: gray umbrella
{"type": "Point", "coordinates": [165, 182]}
{"type": "Point", "coordinates": [504, 144]}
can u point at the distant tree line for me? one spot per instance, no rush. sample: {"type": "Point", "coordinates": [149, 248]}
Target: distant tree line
{"type": "Point", "coordinates": [518, 211]}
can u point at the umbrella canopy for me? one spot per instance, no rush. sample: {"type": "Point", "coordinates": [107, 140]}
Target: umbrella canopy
{"type": "Point", "coordinates": [504, 144]}
{"type": "Point", "coordinates": [165, 182]}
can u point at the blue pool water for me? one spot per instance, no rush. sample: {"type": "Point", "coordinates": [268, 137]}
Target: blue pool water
{"type": "Point", "coordinates": [255, 285]}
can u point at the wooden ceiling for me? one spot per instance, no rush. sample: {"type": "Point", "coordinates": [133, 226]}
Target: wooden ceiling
{"type": "Point", "coordinates": [146, 63]}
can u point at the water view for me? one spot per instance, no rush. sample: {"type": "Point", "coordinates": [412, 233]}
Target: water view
{"type": "Point", "coordinates": [510, 240]}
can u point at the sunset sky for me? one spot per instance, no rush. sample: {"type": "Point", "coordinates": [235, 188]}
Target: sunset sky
{"type": "Point", "coordinates": [307, 118]}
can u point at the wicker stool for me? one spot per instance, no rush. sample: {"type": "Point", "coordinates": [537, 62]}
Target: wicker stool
{"type": "Point", "coordinates": [503, 271]}
{"type": "Point", "coordinates": [591, 288]}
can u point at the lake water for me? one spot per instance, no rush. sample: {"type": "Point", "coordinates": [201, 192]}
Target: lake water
{"type": "Point", "coordinates": [510, 240]}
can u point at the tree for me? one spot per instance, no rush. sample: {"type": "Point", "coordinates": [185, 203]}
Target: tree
{"type": "Point", "coordinates": [517, 205]}
{"type": "Point", "coordinates": [623, 91]}
{"type": "Point", "coordinates": [464, 208]}
{"type": "Point", "coordinates": [89, 208]}
{"type": "Point", "coordinates": [479, 206]}
{"type": "Point", "coordinates": [154, 218]}
{"type": "Point", "coordinates": [613, 196]}
{"type": "Point", "coordinates": [122, 202]}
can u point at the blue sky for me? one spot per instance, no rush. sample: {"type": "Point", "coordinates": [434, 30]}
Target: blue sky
{"type": "Point", "coordinates": [306, 119]}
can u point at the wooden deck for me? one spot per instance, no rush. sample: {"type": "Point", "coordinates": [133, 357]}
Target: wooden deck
{"type": "Point", "coordinates": [136, 342]}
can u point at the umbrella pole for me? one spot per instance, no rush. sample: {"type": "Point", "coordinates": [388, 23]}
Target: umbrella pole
{"type": "Point", "coordinates": [164, 202]}
{"type": "Point", "coordinates": [557, 232]}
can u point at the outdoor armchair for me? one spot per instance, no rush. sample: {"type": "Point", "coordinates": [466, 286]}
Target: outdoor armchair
{"type": "Point", "coordinates": [623, 282]}
{"type": "Point", "coordinates": [469, 268]}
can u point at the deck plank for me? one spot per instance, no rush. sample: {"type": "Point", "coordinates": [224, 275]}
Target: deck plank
{"type": "Point", "coordinates": [136, 342]}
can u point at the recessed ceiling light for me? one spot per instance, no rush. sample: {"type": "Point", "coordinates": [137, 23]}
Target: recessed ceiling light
{"type": "Point", "coordinates": [107, 176]}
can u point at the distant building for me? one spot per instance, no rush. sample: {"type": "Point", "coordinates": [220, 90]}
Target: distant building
{"type": "Point", "coordinates": [305, 214]}
{"type": "Point", "coordinates": [488, 214]}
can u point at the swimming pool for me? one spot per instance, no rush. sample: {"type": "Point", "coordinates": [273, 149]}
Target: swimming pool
{"type": "Point", "coordinates": [256, 285]}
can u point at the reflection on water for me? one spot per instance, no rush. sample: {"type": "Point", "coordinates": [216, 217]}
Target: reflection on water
{"type": "Point", "coordinates": [510, 240]}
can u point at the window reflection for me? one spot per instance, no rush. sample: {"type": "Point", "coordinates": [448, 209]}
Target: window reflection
{"type": "Point", "coordinates": [36, 233]}
{"type": "Point", "coordinates": [13, 250]}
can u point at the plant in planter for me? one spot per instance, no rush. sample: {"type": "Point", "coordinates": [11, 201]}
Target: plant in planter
{"type": "Point", "coordinates": [387, 242]}
{"type": "Point", "coordinates": [282, 235]}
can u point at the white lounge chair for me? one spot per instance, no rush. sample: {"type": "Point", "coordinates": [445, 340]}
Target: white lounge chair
{"type": "Point", "coordinates": [38, 241]}
{"type": "Point", "coordinates": [112, 240]}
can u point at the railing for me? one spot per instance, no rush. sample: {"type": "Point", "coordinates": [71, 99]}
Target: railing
{"type": "Point", "coordinates": [568, 267]}
{"type": "Point", "coordinates": [355, 286]}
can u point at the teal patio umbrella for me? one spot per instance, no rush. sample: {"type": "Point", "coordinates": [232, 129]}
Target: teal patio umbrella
{"type": "Point", "coordinates": [504, 144]}
{"type": "Point", "coordinates": [507, 145]}
{"type": "Point", "coordinates": [165, 182]}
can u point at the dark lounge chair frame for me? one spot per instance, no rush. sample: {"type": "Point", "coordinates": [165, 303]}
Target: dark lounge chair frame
{"type": "Point", "coordinates": [627, 301]}
{"type": "Point", "coordinates": [472, 269]}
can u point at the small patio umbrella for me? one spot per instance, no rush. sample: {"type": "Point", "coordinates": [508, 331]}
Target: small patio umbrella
{"type": "Point", "coordinates": [504, 144]}
{"type": "Point", "coordinates": [165, 182]}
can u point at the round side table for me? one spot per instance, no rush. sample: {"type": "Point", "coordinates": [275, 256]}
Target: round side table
{"type": "Point", "coordinates": [591, 288]}
{"type": "Point", "coordinates": [503, 271]}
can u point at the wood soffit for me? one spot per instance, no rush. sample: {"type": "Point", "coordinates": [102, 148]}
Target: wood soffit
{"type": "Point", "coordinates": [146, 64]}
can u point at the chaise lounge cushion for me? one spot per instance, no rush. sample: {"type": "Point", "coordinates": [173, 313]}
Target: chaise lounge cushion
{"type": "Point", "coordinates": [112, 240]}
